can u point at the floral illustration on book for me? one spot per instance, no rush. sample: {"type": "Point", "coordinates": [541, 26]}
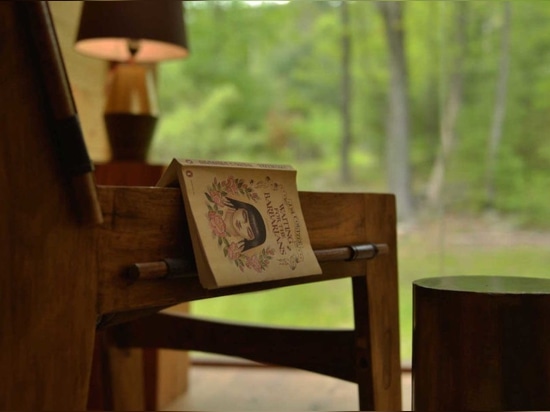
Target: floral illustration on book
{"type": "Point", "coordinates": [238, 225]}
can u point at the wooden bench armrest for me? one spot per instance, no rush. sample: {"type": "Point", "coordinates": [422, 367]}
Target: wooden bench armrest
{"type": "Point", "coordinates": [147, 224]}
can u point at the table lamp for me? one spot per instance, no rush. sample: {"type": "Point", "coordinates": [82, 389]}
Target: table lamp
{"type": "Point", "coordinates": [132, 35]}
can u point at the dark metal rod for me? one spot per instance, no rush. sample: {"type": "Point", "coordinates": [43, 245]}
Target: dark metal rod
{"type": "Point", "coordinates": [181, 268]}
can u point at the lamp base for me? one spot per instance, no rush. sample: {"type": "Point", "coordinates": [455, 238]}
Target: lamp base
{"type": "Point", "coordinates": [130, 135]}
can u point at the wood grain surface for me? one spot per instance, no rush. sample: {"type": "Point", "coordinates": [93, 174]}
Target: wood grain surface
{"type": "Point", "coordinates": [135, 379]}
{"type": "Point", "coordinates": [481, 343]}
{"type": "Point", "coordinates": [48, 284]}
{"type": "Point", "coordinates": [147, 224]}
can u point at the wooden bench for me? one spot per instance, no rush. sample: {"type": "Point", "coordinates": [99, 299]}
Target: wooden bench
{"type": "Point", "coordinates": [63, 276]}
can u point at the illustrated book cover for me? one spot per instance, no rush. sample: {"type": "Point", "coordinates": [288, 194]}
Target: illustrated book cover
{"type": "Point", "coordinates": [245, 220]}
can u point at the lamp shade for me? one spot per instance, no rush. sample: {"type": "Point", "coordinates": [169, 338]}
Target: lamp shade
{"type": "Point", "coordinates": [108, 27]}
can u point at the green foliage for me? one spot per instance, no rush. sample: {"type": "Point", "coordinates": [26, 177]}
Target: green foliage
{"type": "Point", "coordinates": [201, 130]}
{"type": "Point", "coordinates": [315, 136]}
{"type": "Point", "coordinates": [263, 84]}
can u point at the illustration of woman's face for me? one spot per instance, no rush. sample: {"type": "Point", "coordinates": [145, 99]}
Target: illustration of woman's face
{"type": "Point", "coordinates": [241, 223]}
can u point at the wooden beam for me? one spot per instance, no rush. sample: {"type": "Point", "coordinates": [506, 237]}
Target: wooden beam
{"type": "Point", "coordinates": [148, 224]}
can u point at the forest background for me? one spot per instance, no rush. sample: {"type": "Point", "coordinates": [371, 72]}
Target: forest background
{"type": "Point", "coordinates": [446, 104]}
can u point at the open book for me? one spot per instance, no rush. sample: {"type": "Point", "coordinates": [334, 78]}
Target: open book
{"type": "Point", "coordinates": [245, 220]}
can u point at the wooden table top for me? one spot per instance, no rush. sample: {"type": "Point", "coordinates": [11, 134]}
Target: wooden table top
{"type": "Point", "coordinates": [487, 284]}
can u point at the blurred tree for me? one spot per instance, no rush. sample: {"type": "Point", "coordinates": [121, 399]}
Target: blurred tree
{"type": "Point", "coordinates": [501, 101]}
{"type": "Point", "coordinates": [398, 122]}
{"type": "Point", "coordinates": [452, 102]}
{"type": "Point", "coordinates": [267, 82]}
{"type": "Point", "coordinates": [345, 95]}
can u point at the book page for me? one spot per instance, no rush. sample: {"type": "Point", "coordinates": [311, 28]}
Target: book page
{"type": "Point", "coordinates": [249, 222]}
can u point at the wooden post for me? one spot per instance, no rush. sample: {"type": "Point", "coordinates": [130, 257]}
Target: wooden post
{"type": "Point", "coordinates": [139, 379]}
{"type": "Point", "coordinates": [376, 311]}
{"type": "Point", "coordinates": [48, 285]}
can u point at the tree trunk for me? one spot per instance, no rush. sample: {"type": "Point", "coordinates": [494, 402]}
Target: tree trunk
{"type": "Point", "coordinates": [495, 136]}
{"type": "Point", "coordinates": [451, 109]}
{"type": "Point", "coordinates": [397, 148]}
{"type": "Point", "coordinates": [346, 175]}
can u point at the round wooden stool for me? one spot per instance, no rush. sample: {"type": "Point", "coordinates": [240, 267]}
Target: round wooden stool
{"type": "Point", "coordinates": [481, 343]}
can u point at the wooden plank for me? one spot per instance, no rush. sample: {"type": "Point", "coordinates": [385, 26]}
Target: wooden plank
{"type": "Point", "coordinates": [127, 173]}
{"type": "Point", "coordinates": [329, 351]}
{"type": "Point", "coordinates": [47, 282]}
{"type": "Point", "coordinates": [157, 377]}
{"type": "Point", "coordinates": [127, 378]}
{"type": "Point", "coordinates": [382, 306]}
{"type": "Point", "coordinates": [148, 224]}
{"type": "Point", "coordinates": [172, 378]}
